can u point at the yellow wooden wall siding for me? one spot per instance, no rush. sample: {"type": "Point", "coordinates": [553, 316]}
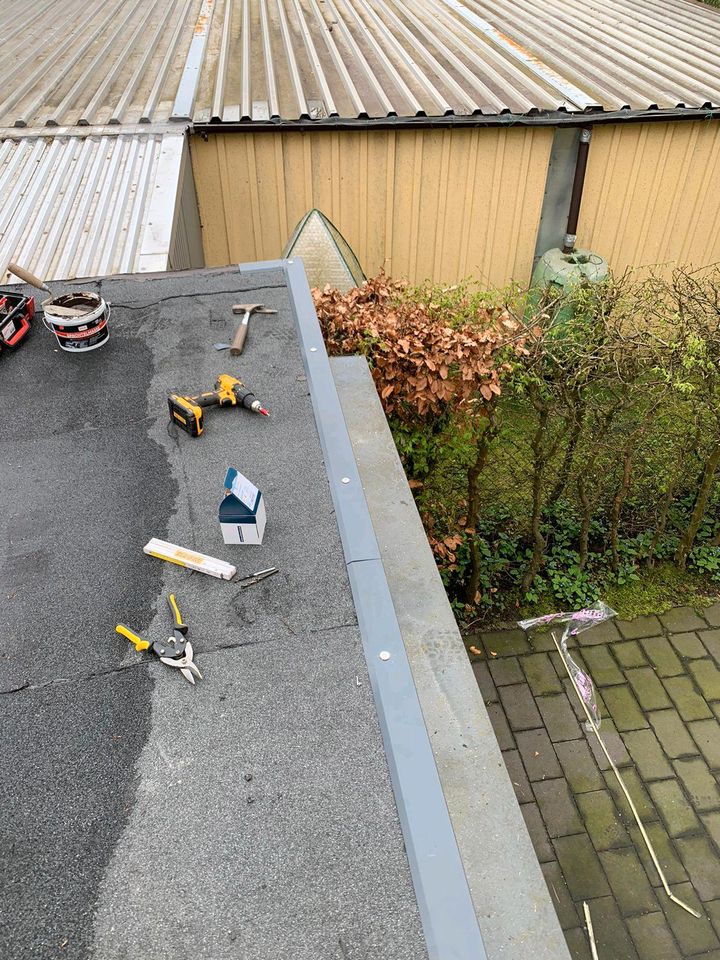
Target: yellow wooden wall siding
{"type": "Point", "coordinates": [652, 194]}
{"type": "Point", "coordinates": [440, 204]}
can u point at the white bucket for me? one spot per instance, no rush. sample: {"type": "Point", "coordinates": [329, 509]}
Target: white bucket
{"type": "Point", "coordinates": [78, 320]}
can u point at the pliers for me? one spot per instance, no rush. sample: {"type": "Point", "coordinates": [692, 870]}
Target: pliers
{"type": "Point", "coordinates": [176, 651]}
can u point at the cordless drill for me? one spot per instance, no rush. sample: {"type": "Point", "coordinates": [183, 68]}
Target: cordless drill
{"type": "Point", "coordinates": [187, 412]}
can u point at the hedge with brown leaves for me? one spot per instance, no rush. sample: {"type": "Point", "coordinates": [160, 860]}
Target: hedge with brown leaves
{"type": "Point", "coordinates": [421, 361]}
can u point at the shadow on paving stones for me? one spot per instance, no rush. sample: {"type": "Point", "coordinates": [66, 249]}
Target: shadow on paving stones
{"type": "Point", "coordinates": [657, 682]}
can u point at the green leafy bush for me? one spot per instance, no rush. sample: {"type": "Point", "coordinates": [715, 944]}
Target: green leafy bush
{"type": "Point", "coordinates": [555, 459]}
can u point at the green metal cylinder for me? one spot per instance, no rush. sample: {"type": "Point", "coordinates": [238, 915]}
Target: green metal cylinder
{"type": "Point", "coordinates": [563, 271]}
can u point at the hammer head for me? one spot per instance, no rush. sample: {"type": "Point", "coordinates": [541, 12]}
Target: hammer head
{"type": "Point", "coordinates": [252, 308]}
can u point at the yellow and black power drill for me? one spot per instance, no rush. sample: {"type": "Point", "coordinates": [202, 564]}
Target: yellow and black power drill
{"type": "Point", "coordinates": [187, 412]}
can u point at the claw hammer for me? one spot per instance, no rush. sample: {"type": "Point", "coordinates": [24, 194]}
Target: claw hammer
{"type": "Point", "coordinates": [236, 347]}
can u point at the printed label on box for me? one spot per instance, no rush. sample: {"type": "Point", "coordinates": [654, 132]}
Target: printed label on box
{"type": "Point", "coordinates": [245, 491]}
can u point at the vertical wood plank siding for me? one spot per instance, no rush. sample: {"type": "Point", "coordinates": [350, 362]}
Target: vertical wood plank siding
{"type": "Point", "coordinates": [439, 204]}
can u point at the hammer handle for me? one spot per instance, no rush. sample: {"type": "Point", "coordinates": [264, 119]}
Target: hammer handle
{"type": "Point", "coordinates": [236, 347]}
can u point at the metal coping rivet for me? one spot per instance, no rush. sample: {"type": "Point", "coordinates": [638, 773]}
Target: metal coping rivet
{"type": "Point", "coordinates": [384, 655]}
{"type": "Point", "coordinates": [346, 479]}
{"type": "Point", "coordinates": [313, 349]}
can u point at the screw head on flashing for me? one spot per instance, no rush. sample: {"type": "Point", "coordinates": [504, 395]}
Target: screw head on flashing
{"type": "Point", "coordinates": [384, 655]}
{"type": "Point", "coordinates": [346, 479]}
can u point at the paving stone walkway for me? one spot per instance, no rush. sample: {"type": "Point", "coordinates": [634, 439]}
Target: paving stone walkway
{"type": "Point", "coordinates": [658, 689]}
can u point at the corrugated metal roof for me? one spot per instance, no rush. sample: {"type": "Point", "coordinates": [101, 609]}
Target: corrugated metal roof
{"type": "Point", "coordinates": [70, 62]}
{"type": "Point", "coordinates": [95, 62]}
{"type": "Point", "coordinates": [293, 59]}
{"type": "Point", "coordinates": [78, 207]}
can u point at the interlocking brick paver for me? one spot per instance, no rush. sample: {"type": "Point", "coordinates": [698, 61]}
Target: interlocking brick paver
{"type": "Point", "coordinates": [537, 754]}
{"type": "Point", "coordinates": [647, 754]}
{"type": "Point", "coordinates": [702, 863]}
{"type": "Point", "coordinates": [541, 674]}
{"type": "Point", "coordinates": [713, 911]}
{"type": "Point", "coordinates": [693, 934]}
{"type": "Point", "coordinates": [648, 689]}
{"type": "Point", "coordinates": [624, 708]}
{"type": "Point", "coordinates": [652, 937]}
{"type": "Point", "coordinates": [706, 734]}
{"type": "Point", "coordinates": [518, 777]}
{"type": "Point", "coordinates": [538, 834]}
{"type": "Point", "coordinates": [690, 705]}
{"type": "Point", "coordinates": [579, 766]}
{"type": "Point", "coordinates": [506, 670]}
{"type": "Point", "coordinates": [558, 717]}
{"type": "Point", "coordinates": [560, 896]}
{"type": "Point", "coordinates": [707, 677]}
{"type": "Point", "coordinates": [504, 643]}
{"type": "Point", "coordinates": [640, 796]}
{"type": "Point", "coordinates": [712, 615]}
{"type": "Point", "coordinates": [688, 645]}
{"type": "Point", "coordinates": [577, 943]}
{"type": "Point", "coordinates": [662, 693]}
{"type": "Point", "coordinates": [662, 656]}
{"type": "Point", "coordinates": [500, 726]}
{"type": "Point", "coordinates": [629, 654]}
{"type": "Point", "coordinates": [605, 632]}
{"type": "Point", "coordinates": [677, 814]}
{"type": "Point", "coordinates": [541, 641]}
{"type": "Point", "coordinates": [639, 627]}
{"type": "Point", "coordinates": [611, 935]}
{"type": "Point", "coordinates": [682, 618]}
{"type": "Point", "coordinates": [665, 851]}
{"type": "Point", "coordinates": [484, 681]}
{"type": "Point", "coordinates": [557, 807]}
{"type": "Point", "coordinates": [712, 825]}
{"type": "Point", "coordinates": [602, 820]}
{"type": "Point", "coordinates": [711, 642]}
{"type": "Point", "coordinates": [519, 705]}
{"type": "Point", "coordinates": [581, 867]}
{"type": "Point", "coordinates": [699, 783]}
{"type": "Point", "coordinates": [613, 743]}
{"type": "Point", "coordinates": [672, 734]}
{"type": "Point", "coordinates": [628, 881]}
{"type": "Point", "coordinates": [602, 667]}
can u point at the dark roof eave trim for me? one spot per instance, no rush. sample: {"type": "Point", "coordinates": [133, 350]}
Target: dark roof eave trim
{"type": "Point", "coordinates": [554, 118]}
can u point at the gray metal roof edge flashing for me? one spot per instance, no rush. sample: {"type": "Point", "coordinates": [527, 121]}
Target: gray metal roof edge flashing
{"type": "Point", "coordinates": [552, 118]}
{"type": "Point", "coordinates": [448, 917]}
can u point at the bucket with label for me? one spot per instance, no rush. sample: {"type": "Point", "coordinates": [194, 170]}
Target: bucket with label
{"type": "Point", "coordinates": [78, 320]}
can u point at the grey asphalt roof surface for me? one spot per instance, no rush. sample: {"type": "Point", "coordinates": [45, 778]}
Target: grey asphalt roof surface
{"type": "Point", "coordinates": [251, 816]}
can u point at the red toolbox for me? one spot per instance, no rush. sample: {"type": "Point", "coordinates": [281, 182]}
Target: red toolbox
{"type": "Point", "coordinates": [16, 312]}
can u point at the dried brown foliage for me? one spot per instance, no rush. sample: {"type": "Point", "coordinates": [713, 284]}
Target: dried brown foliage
{"type": "Point", "coordinates": [422, 361]}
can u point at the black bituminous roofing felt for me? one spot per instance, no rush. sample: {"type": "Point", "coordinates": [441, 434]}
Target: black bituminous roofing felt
{"type": "Point", "coordinates": [250, 816]}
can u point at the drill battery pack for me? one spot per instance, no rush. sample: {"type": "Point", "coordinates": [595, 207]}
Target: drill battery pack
{"type": "Point", "coordinates": [16, 314]}
{"type": "Point", "coordinates": [186, 414]}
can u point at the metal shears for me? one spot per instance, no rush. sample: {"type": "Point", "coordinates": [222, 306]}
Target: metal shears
{"type": "Point", "coordinates": [176, 651]}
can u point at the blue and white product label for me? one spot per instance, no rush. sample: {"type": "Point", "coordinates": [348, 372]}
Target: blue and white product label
{"type": "Point", "coordinates": [245, 491]}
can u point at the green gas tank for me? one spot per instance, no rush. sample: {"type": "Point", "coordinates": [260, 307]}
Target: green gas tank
{"type": "Point", "coordinates": [563, 271]}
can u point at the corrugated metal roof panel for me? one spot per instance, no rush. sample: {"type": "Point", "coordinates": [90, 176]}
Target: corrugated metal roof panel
{"type": "Point", "coordinates": [78, 62]}
{"type": "Point", "coordinates": [297, 59]}
{"type": "Point", "coordinates": [127, 61]}
{"type": "Point", "coordinates": [87, 206]}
